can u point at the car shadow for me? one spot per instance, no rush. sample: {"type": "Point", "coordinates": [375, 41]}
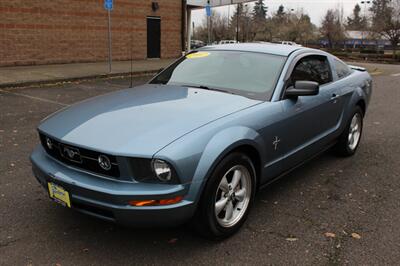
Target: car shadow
{"type": "Point", "coordinates": [93, 234]}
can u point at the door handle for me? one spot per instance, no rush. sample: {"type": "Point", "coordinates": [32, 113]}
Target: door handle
{"type": "Point", "coordinates": [334, 96]}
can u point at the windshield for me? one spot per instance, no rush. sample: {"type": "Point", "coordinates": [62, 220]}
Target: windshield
{"type": "Point", "coordinates": [253, 75]}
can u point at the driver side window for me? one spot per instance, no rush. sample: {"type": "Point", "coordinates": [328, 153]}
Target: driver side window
{"type": "Point", "coordinates": [312, 68]}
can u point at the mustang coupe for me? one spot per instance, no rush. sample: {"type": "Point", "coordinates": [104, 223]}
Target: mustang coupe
{"type": "Point", "coordinates": [197, 141]}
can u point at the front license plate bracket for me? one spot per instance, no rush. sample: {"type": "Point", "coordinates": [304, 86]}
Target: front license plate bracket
{"type": "Point", "coordinates": [59, 194]}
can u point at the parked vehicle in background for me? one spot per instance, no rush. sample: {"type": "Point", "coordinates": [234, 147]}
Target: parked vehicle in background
{"type": "Point", "coordinates": [195, 44]}
{"type": "Point", "coordinates": [227, 42]}
{"type": "Point", "coordinates": [289, 43]}
{"type": "Point", "coordinates": [202, 136]}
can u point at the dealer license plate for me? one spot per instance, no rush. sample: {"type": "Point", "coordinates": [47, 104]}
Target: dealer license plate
{"type": "Point", "coordinates": [59, 194]}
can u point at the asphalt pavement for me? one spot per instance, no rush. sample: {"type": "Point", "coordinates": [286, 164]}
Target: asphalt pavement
{"type": "Point", "coordinates": [331, 211]}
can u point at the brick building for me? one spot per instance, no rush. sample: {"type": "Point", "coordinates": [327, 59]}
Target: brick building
{"type": "Point", "coordinates": [65, 31]}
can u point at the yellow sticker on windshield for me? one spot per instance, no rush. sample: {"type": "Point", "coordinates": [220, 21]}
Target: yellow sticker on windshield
{"type": "Point", "coordinates": [197, 55]}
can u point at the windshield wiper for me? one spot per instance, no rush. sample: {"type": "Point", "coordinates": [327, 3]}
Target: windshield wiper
{"type": "Point", "coordinates": [207, 88]}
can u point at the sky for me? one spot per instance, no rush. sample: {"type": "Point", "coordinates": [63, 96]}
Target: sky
{"type": "Point", "coordinates": [315, 9]}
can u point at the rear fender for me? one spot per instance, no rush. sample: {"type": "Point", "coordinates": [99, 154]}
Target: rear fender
{"type": "Point", "coordinates": [359, 93]}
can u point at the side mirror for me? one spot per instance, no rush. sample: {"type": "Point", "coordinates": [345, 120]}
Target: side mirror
{"type": "Point", "coordinates": [302, 88]}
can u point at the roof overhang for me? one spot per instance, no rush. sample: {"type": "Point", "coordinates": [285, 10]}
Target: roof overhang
{"type": "Point", "coordinates": [215, 3]}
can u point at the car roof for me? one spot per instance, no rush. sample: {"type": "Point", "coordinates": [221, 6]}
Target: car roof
{"type": "Point", "coordinates": [268, 48]}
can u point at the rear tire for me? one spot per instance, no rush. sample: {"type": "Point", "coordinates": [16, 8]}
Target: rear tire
{"type": "Point", "coordinates": [350, 139]}
{"type": "Point", "coordinates": [227, 197]}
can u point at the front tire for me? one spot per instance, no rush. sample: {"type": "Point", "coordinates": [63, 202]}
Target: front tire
{"type": "Point", "coordinates": [227, 197]}
{"type": "Point", "coordinates": [351, 136]}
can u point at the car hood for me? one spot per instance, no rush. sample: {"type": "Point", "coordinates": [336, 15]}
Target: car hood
{"type": "Point", "coordinates": [142, 120]}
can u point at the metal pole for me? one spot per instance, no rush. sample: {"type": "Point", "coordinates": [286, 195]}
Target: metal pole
{"type": "Point", "coordinates": [211, 29]}
{"type": "Point", "coordinates": [109, 42]}
{"type": "Point", "coordinates": [244, 26]}
{"type": "Point", "coordinates": [208, 10]}
{"type": "Point", "coordinates": [131, 46]}
{"type": "Point", "coordinates": [189, 29]}
{"type": "Point", "coordinates": [237, 22]}
{"type": "Point", "coordinates": [208, 30]}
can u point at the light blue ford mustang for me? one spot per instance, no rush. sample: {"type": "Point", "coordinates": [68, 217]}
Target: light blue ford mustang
{"type": "Point", "coordinates": [202, 136]}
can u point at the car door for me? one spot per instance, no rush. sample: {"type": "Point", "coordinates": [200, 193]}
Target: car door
{"type": "Point", "coordinates": [341, 86]}
{"type": "Point", "coordinates": [333, 104]}
{"type": "Point", "coordinates": [303, 126]}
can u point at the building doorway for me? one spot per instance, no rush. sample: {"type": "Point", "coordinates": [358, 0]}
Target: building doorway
{"type": "Point", "coordinates": [153, 37]}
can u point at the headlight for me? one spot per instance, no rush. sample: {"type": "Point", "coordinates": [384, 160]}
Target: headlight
{"type": "Point", "coordinates": [153, 171]}
{"type": "Point", "coordinates": [162, 169]}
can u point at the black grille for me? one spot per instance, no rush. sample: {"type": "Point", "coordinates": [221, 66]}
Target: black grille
{"type": "Point", "coordinates": [82, 158]}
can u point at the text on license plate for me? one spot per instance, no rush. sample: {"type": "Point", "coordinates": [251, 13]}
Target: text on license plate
{"type": "Point", "coordinates": [59, 194]}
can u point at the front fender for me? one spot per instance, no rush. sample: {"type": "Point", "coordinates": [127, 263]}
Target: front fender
{"type": "Point", "coordinates": [224, 142]}
{"type": "Point", "coordinates": [195, 157]}
{"type": "Point", "coordinates": [219, 146]}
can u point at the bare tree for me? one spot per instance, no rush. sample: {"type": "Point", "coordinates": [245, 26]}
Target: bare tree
{"type": "Point", "coordinates": [218, 26]}
{"type": "Point", "coordinates": [241, 28]}
{"type": "Point", "coordinates": [246, 24]}
{"type": "Point", "coordinates": [296, 27]}
{"type": "Point", "coordinates": [386, 20]}
{"type": "Point", "coordinates": [279, 26]}
{"type": "Point", "coordinates": [304, 29]}
{"type": "Point", "coordinates": [332, 27]}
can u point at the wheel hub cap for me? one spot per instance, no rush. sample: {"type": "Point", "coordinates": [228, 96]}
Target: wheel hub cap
{"type": "Point", "coordinates": [354, 131]}
{"type": "Point", "coordinates": [233, 196]}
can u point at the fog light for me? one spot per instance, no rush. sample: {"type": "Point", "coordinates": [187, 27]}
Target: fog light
{"type": "Point", "coordinates": [155, 202]}
{"type": "Point", "coordinates": [162, 170]}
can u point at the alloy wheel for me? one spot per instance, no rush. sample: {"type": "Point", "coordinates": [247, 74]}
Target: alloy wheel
{"type": "Point", "coordinates": [354, 131]}
{"type": "Point", "coordinates": [233, 196]}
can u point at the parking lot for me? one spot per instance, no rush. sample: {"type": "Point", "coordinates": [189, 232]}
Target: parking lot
{"type": "Point", "coordinates": [331, 211]}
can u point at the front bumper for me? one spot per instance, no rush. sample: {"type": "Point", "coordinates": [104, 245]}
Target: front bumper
{"type": "Point", "coordinates": [108, 199]}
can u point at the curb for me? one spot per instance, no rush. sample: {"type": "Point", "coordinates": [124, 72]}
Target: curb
{"type": "Point", "coordinates": [89, 77]}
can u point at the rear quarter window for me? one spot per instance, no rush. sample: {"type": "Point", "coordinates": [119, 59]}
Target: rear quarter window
{"type": "Point", "coordinates": [342, 70]}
